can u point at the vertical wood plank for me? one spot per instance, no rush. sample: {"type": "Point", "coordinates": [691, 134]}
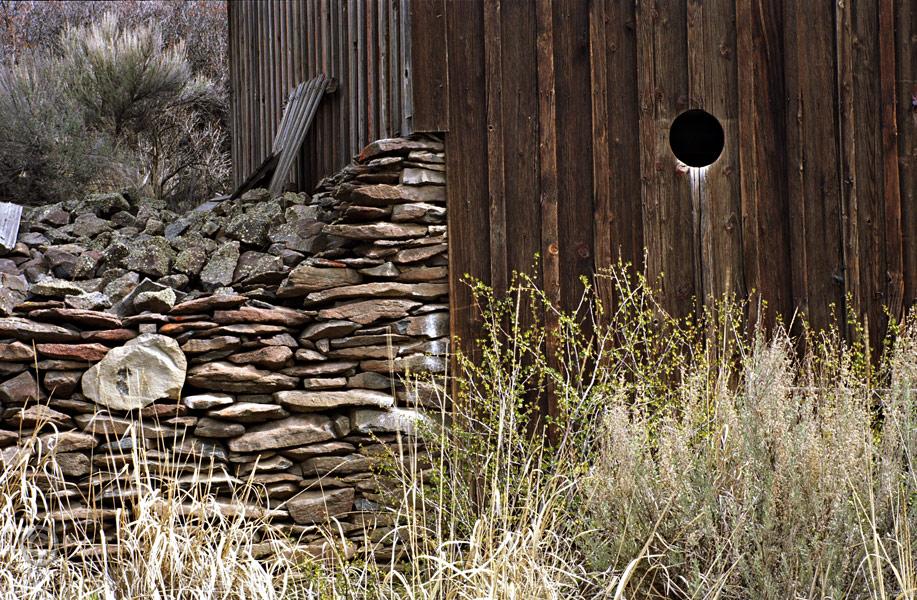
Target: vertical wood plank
{"type": "Point", "coordinates": [762, 131]}
{"type": "Point", "coordinates": [814, 190]}
{"type": "Point", "coordinates": [548, 178]}
{"type": "Point", "coordinates": [382, 71]}
{"type": "Point", "coordinates": [666, 195]}
{"type": "Point", "coordinates": [715, 189]}
{"type": "Point", "coordinates": [494, 79]}
{"type": "Point", "coordinates": [466, 154]}
{"type": "Point", "coordinates": [428, 30]}
{"type": "Point", "coordinates": [856, 291]}
{"type": "Point", "coordinates": [906, 108]}
{"type": "Point", "coordinates": [891, 191]}
{"type": "Point", "coordinates": [573, 114]}
{"type": "Point", "coordinates": [235, 113]}
{"type": "Point", "coordinates": [519, 160]}
{"type": "Point", "coordinates": [616, 146]}
{"type": "Point", "coordinates": [602, 166]}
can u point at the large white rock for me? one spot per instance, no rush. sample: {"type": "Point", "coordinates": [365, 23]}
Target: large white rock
{"type": "Point", "coordinates": [132, 376]}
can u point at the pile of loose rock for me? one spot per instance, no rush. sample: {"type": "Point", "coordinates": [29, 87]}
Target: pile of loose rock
{"type": "Point", "coordinates": [261, 341]}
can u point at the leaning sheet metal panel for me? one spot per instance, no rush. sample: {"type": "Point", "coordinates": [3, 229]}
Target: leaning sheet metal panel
{"type": "Point", "coordinates": [9, 224]}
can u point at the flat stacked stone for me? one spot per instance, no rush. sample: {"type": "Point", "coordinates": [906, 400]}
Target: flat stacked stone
{"type": "Point", "coordinates": [264, 340]}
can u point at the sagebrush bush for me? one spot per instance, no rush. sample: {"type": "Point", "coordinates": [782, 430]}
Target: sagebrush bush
{"type": "Point", "coordinates": [145, 96]}
{"type": "Point", "coordinates": [122, 96]}
{"type": "Point", "coordinates": [45, 152]}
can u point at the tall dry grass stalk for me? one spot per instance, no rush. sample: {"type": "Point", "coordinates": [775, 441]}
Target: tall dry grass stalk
{"type": "Point", "coordinates": [689, 461]}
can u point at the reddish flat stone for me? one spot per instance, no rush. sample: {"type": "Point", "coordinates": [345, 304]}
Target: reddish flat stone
{"type": "Point", "coordinates": [178, 328]}
{"type": "Point", "coordinates": [111, 336]}
{"type": "Point", "coordinates": [87, 352]}
{"type": "Point", "coordinates": [249, 314]}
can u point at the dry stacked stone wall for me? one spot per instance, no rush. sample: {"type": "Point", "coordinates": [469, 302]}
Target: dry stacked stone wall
{"type": "Point", "coordinates": [262, 339]}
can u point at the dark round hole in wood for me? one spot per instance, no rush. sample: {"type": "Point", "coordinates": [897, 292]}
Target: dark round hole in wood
{"type": "Point", "coordinates": [696, 138]}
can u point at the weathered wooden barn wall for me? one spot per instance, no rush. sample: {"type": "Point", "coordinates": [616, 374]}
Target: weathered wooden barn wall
{"type": "Point", "coordinates": [557, 143]}
{"type": "Point", "coordinates": [275, 44]}
{"type": "Point", "coordinates": [557, 115]}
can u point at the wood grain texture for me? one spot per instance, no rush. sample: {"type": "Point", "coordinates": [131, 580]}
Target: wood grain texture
{"type": "Point", "coordinates": [276, 44]}
{"type": "Point", "coordinates": [520, 149]}
{"type": "Point", "coordinates": [493, 76]}
{"type": "Point", "coordinates": [431, 109]}
{"type": "Point", "coordinates": [815, 182]}
{"type": "Point", "coordinates": [762, 158]}
{"type": "Point", "coordinates": [466, 153]}
{"type": "Point", "coordinates": [906, 108]}
{"type": "Point", "coordinates": [573, 115]}
{"type": "Point", "coordinates": [713, 86]}
{"type": "Point", "coordinates": [891, 190]}
{"type": "Point", "coordinates": [548, 180]}
{"type": "Point", "coordinates": [557, 116]}
{"type": "Point", "coordinates": [670, 222]}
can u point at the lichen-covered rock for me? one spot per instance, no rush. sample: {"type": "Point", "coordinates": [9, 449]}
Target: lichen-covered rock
{"type": "Point", "coordinates": [93, 301]}
{"type": "Point", "coordinates": [152, 256]}
{"type": "Point", "coordinates": [191, 261]}
{"type": "Point", "coordinates": [89, 226]}
{"type": "Point", "coordinates": [221, 267]}
{"type": "Point", "coordinates": [102, 205]}
{"type": "Point", "coordinates": [58, 288]}
{"type": "Point", "coordinates": [158, 301]}
{"type": "Point", "coordinates": [258, 264]}
{"type": "Point", "coordinates": [13, 290]}
{"type": "Point", "coordinates": [301, 235]}
{"type": "Point", "coordinates": [132, 376]}
{"type": "Point", "coordinates": [120, 286]}
{"type": "Point", "coordinates": [251, 227]}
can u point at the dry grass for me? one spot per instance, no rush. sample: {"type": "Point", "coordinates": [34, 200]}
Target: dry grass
{"type": "Point", "coordinates": [689, 463]}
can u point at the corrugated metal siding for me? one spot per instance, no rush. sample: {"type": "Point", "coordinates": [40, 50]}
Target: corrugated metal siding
{"type": "Point", "coordinates": [276, 44]}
